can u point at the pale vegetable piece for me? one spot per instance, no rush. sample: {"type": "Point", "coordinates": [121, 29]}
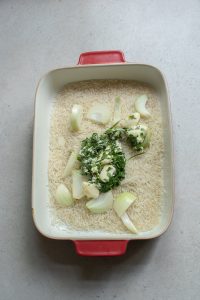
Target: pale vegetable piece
{"type": "Point", "coordinates": [106, 161]}
{"type": "Point", "coordinates": [117, 110]}
{"type": "Point", "coordinates": [132, 120]}
{"type": "Point", "coordinates": [76, 117]}
{"type": "Point", "coordinates": [140, 106]}
{"type": "Point", "coordinates": [107, 172]}
{"type": "Point", "coordinates": [77, 184]}
{"type": "Point", "coordinates": [102, 204]}
{"type": "Point", "coordinates": [63, 196]}
{"type": "Point", "coordinates": [122, 202]}
{"type": "Point", "coordinates": [71, 163]}
{"type": "Point", "coordinates": [128, 223]}
{"type": "Point", "coordinates": [90, 190]}
{"type": "Point", "coordinates": [147, 139]}
{"type": "Point", "coordinates": [99, 113]}
{"type": "Point", "coordinates": [77, 164]}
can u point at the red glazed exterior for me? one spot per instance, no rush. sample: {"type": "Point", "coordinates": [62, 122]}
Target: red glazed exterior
{"type": "Point", "coordinates": [101, 248]}
{"type": "Point", "coordinates": [101, 57]}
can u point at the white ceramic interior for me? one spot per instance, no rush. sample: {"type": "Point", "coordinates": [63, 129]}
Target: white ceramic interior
{"type": "Point", "coordinates": [48, 86]}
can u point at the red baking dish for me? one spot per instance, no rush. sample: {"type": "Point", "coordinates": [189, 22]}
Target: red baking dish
{"type": "Point", "coordinates": [95, 65]}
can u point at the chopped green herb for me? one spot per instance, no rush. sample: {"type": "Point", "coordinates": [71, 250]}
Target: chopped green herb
{"type": "Point", "coordinates": [137, 136]}
{"type": "Point", "coordinates": [94, 151]}
{"type": "Point", "coordinates": [102, 158]}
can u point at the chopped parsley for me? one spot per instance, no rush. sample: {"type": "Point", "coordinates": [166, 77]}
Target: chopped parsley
{"type": "Point", "coordinates": [137, 137]}
{"type": "Point", "coordinates": [97, 152]}
{"type": "Point", "coordinates": [101, 156]}
{"type": "Point", "coordinates": [116, 133]}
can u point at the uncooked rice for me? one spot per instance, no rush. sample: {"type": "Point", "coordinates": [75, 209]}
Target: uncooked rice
{"type": "Point", "coordinates": [143, 173]}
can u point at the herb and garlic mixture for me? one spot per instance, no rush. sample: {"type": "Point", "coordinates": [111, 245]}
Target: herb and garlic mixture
{"type": "Point", "coordinates": [106, 156]}
{"type": "Point", "coordinates": [103, 161]}
{"type": "Point", "coordinates": [102, 158]}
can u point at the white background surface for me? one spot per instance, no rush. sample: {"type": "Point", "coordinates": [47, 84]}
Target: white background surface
{"type": "Point", "coordinates": [36, 36]}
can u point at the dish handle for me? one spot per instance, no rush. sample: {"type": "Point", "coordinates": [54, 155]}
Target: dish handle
{"type": "Point", "coordinates": [101, 248]}
{"type": "Point", "coordinates": [101, 57]}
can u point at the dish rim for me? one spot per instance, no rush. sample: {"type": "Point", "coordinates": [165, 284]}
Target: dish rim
{"type": "Point", "coordinates": [170, 130]}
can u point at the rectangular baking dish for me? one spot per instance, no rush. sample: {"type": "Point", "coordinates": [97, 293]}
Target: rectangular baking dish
{"type": "Point", "coordinates": [95, 65]}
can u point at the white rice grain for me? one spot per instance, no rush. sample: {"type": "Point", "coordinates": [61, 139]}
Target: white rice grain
{"type": "Point", "coordinates": [143, 173]}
